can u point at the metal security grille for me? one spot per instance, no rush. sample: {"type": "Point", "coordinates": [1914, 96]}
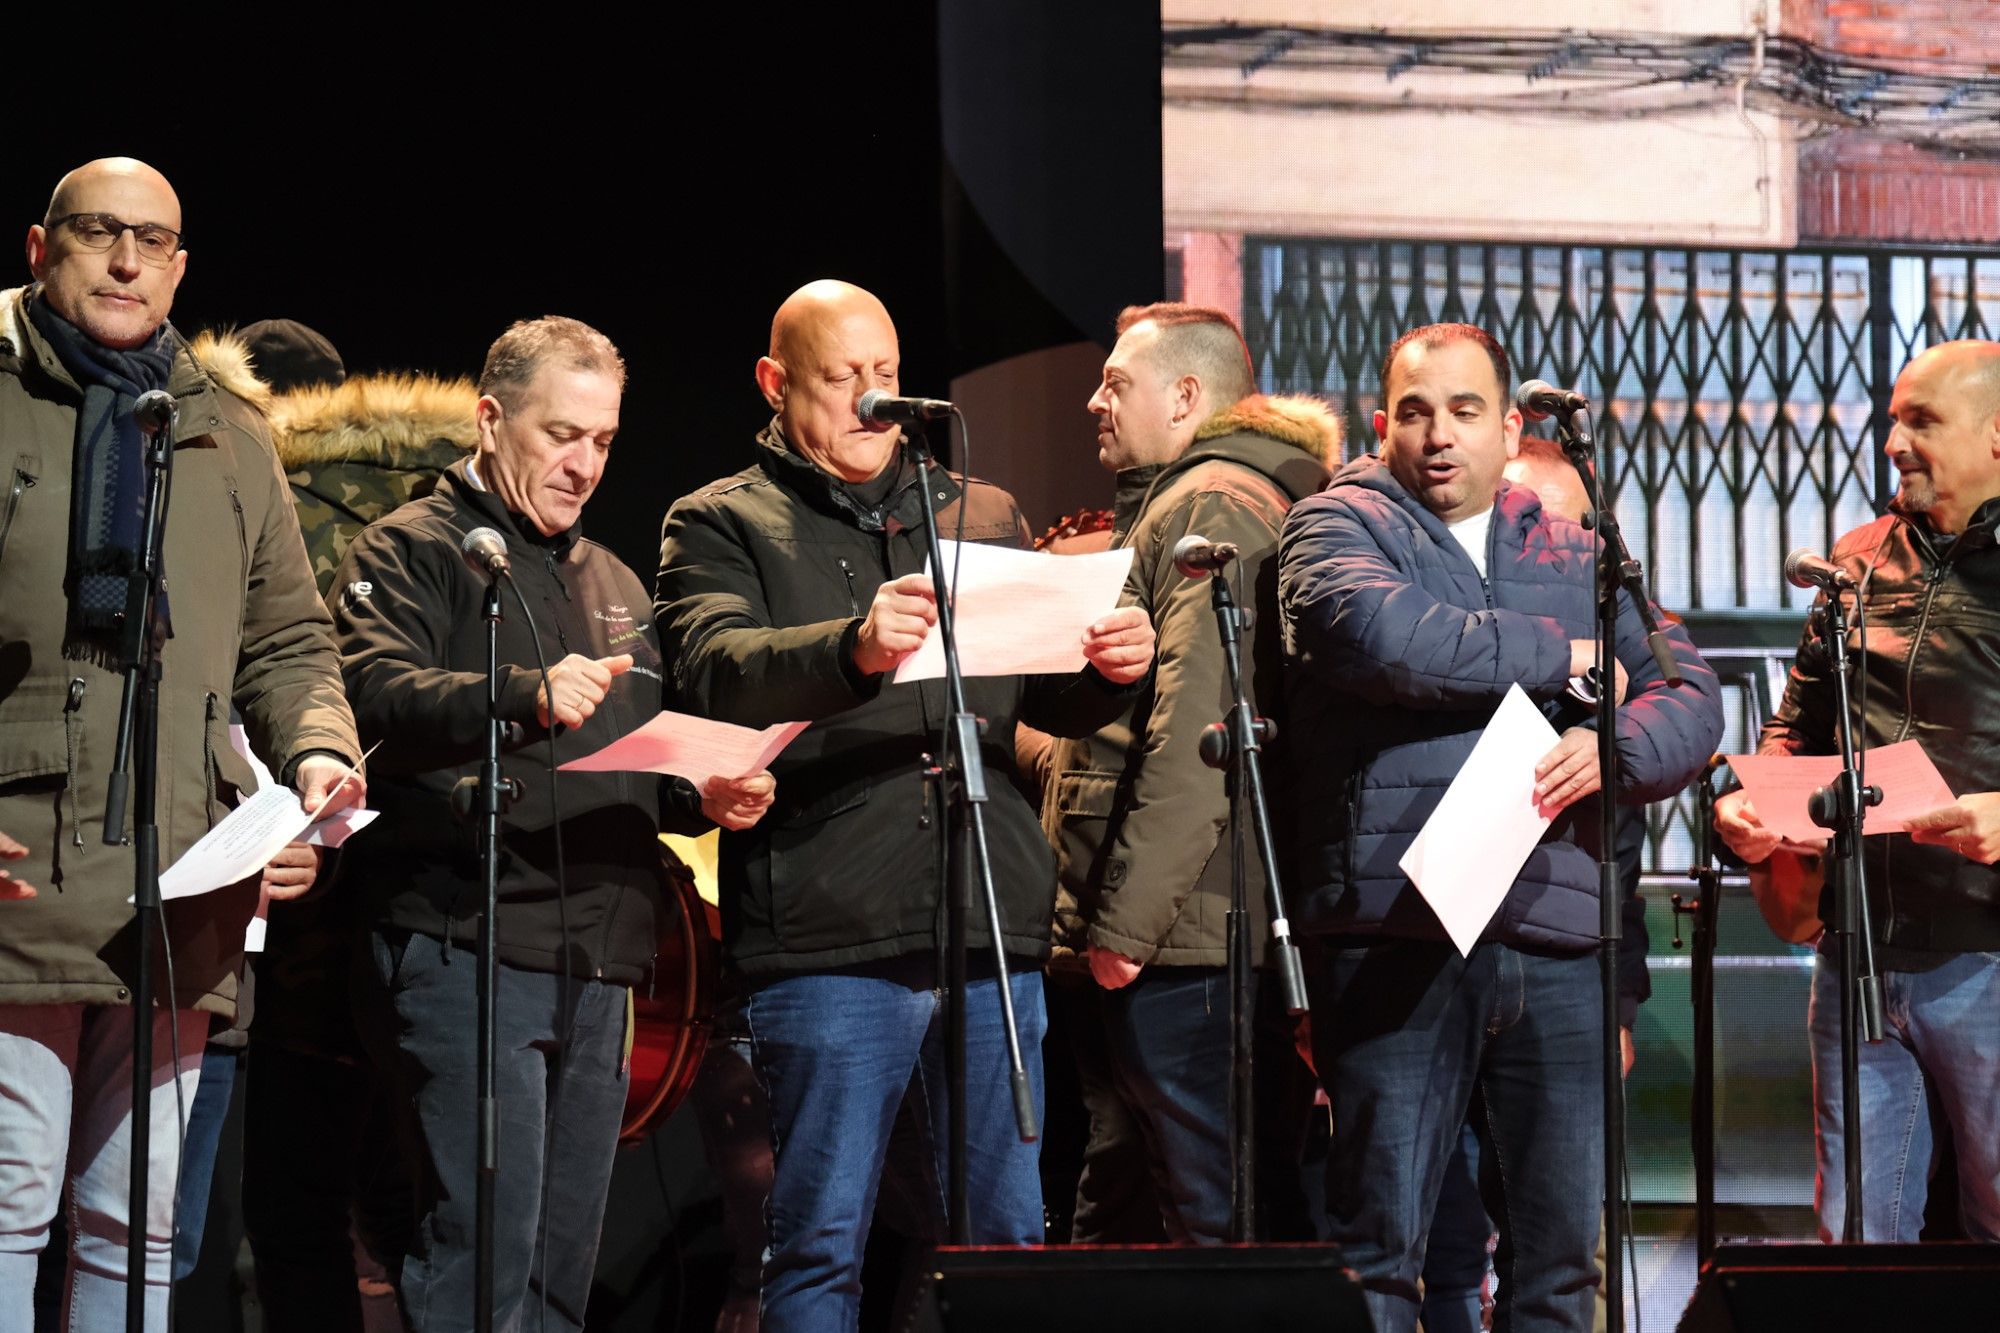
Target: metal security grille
{"type": "Point", "coordinates": [1741, 395]}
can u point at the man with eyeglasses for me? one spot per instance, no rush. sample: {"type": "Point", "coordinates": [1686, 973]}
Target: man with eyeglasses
{"type": "Point", "coordinates": [241, 625]}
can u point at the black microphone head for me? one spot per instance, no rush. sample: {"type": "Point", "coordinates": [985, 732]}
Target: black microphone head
{"type": "Point", "coordinates": [153, 409]}
{"type": "Point", "coordinates": [871, 402]}
{"type": "Point", "coordinates": [1539, 398]}
{"type": "Point", "coordinates": [485, 550]}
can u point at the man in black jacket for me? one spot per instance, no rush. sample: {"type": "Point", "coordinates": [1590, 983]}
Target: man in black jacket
{"type": "Point", "coordinates": [1929, 579]}
{"type": "Point", "coordinates": [580, 895]}
{"type": "Point", "coordinates": [786, 592]}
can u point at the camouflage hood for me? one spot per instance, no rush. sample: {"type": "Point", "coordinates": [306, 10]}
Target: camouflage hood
{"type": "Point", "coordinates": [358, 451]}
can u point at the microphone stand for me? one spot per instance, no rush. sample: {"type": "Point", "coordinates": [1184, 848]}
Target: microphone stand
{"type": "Point", "coordinates": [1612, 570]}
{"type": "Point", "coordinates": [486, 797]}
{"type": "Point", "coordinates": [1236, 746]}
{"type": "Point", "coordinates": [143, 638]}
{"type": "Point", "coordinates": [967, 796]}
{"type": "Point", "coordinates": [1703, 911]}
{"type": "Point", "coordinates": [1839, 807]}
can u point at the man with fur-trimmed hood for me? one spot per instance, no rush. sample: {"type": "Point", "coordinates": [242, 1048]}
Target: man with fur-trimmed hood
{"type": "Point", "coordinates": [241, 627]}
{"type": "Point", "coordinates": [1140, 823]}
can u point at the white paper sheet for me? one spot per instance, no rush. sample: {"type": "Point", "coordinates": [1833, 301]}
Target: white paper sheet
{"type": "Point", "coordinates": [1475, 842]}
{"type": "Point", "coordinates": [1020, 612]}
{"type": "Point", "coordinates": [330, 832]}
{"type": "Point", "coordinates": [244, 842]}
{"type": "Point", "coordinates": [695, 748]}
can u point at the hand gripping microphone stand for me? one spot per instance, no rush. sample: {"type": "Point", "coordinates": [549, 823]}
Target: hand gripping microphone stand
{"type": "Point", "coordinates": [1839, 807]}
{"type": "Point", "coordinates": [965, 783]}
{"type": "Point", "coordinates": [1612, 570]}
{"type": "Point", "coordinates": [142, 638]}
{"type": "Point", "coordinates": [485, 798]}
{"type": "Point", "coordinates": [1236, 745]}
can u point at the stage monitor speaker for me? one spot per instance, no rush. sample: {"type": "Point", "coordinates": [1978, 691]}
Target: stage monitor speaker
{"type": "Point", "coordinates": [1833, 1288]}
{"type": "Point", "coordinates": [1161, 1289]}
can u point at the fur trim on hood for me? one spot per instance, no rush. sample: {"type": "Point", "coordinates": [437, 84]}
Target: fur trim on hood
{"type": "Point", "coordinates": [373, 418]}
{"type": "Point", "coordinates": [1300, 420]}
{"type": "Point", "coordinates": [226, 358]}
{"type": "Point", "coordinates": [223, 357]}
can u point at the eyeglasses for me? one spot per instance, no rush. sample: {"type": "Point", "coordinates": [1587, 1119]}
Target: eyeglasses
{"type": "Point", "coordinates": [100, 231]}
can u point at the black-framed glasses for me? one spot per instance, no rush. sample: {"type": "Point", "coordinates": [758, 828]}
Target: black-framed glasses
{"type": "Point", "coordinates": [100, 231]}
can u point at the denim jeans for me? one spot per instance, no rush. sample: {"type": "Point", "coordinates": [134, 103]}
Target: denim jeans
{"type": "Point", "coordinates": [560, 1082]}
{"type": "Point", "coordinates": [66, 1106]}
{"type": "Point", "coordinates": [1941, 1033]}
{"type": "Point", "coordinates": [836, 1053]}
{"type": "Point", "coordinates": [1456, 1260]}
{"type": "Point", "coordinates": [206, 1114]}
{"type": "Point", "coordinates": [1404, 1032]}
{"type": "Point", "coordinates": [1166, 1043]}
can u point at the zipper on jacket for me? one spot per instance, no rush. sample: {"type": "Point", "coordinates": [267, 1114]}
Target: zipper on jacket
{"type": "Point", "coordinates": [242, 534]}
{"type": "Point", "coordinates": [22, 481]}
{"type": "Point", "coordinates": [549, 559]}
{"type": "Point", "coordinates": [853, 602]}
{"type": "Point", "coordinates": [72, 704]}
{"type": "Point", "coordinates": [208, 765]}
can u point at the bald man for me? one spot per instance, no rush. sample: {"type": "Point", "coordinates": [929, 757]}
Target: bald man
{"type": "Point", "coordinates": [789, 592]}
{"type": "Point", "coordinates": [1929, 572]}
{"type": "Point", "coordinates": [247, 628]}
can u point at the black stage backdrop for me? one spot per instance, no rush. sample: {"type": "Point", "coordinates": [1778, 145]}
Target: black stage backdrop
{"type": "Point", "coordinates": [991, 171]}
{"type": "Point", "coordinates": [669, 180]}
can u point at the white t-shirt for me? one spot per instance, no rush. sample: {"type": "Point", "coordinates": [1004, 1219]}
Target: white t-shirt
{"type": "Point", "coordinates": [1471, 534]}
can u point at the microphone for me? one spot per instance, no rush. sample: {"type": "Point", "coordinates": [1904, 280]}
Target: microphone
{"type": "Point", "coordinates": [1539, 398]}
{"type": "Point", "coordinates": [486, 551]}
{"type": "Point", "coordinates": [1803, 569]}
{"type": "Point", "coordinates": [1196, 556]}
{"type": "Point", "coordinates": [880, 409]}
{"type": "Point", "coordinates": [154, 410]}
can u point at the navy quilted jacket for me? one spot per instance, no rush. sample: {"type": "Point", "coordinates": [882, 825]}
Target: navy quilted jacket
{"type": "Point", "coordinates": [1397, 656]}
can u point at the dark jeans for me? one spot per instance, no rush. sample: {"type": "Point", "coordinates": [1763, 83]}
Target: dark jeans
{"type": "Point", "coordinates": [1166, 1048]}
{"type": "Point", "coordinates": [560, 1081]}
{"type": "Point", "coordinates": [205, 1117]}
{"type": "Point", "coordinates": [1404, 1032]}
{"type": "Point", "coordinates": [837, 1052]}
{"type": "Point", "coordinates": [301, 1208]}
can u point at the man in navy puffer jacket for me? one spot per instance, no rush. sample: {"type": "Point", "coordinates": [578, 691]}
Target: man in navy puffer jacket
{"type": "Point", "coordinates": [1416, 590]}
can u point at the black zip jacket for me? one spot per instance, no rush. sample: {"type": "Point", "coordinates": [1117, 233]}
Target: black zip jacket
{"type": "Point", "coordinates": [1933, 619]}
{"type": "Point", "coordinates": [407, 614]}
{"type": "Point", "coordinates": [764, 580]}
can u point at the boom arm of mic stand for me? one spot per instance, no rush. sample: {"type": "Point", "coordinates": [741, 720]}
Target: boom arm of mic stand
{"type": "Point", "coordinates": [1573, 432]}
{"type": "Point", "coordinates": [972, 790]}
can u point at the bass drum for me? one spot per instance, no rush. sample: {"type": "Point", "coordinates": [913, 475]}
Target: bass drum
{"type": "Point", "coordinates": [671, 1015]}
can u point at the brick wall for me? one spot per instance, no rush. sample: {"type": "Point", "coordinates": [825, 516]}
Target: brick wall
{"type": "Point", "coordinates": [1857, 186]}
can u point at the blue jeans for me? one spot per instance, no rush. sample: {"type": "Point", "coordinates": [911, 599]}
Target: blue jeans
{"type": "Point", "coordinates": [836, 1053]}
{"type": "Point", "coordinates": [1166, 1041]}
{"type": "Point", "coordinates": [560, 1081]}
{"type": "Point", "coordinates": [1455, 1257]}
{"type": "Point", "coordinates": [1941, 1033]}
{"type": "Point", "coordinates": [66, 1112]}
{"type": "Point", "coordinates": [1404, 1031]}
{"type": "Point", "coordinates": [206, 1114]}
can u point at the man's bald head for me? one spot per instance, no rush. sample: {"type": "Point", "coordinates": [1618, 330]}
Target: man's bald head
{"type": "Point", "coordinates": [115, 172]}
{"type": "Point", "coordinates": [831, 342]}
{"type": "Point", "coordinates": [87, 256]}
{"type": "Point", "coordinates": [1543, 467]}
{"type": "Point", "coordinates": [1945, 437]}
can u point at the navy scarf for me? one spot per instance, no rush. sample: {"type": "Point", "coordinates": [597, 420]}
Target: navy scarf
{"type": "Point", "coordinates": [108, 484]}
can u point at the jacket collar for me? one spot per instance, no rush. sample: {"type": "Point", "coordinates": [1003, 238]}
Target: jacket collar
{"type": "Point", "coordinates": [195, 398]}
{"type": "Point", "coordinates": [518, 530]}
{"type": "Point", "coordinates": [823, 491]}
{"type": "Point", "coordinates": [1516, 509]}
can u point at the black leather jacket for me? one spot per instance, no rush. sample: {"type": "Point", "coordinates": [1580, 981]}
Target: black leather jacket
{"type": "Point", "coordinates": [1932, 611]}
